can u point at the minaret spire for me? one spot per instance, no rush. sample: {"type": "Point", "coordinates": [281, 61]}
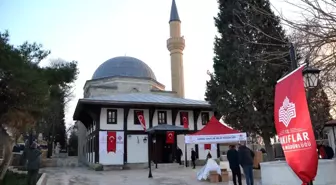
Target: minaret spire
{"type": "Point", "coordinates": [174, 16]}
{"type": "Point", "coordinates": [175, 45]}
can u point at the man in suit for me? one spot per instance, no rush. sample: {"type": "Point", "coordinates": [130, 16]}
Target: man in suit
{"type": "Point", "coordinates": [193, 158]}
{"type": "Point", "coordinates": [179, 155]}
{"type": "Point", "coordinates": [232, 156]}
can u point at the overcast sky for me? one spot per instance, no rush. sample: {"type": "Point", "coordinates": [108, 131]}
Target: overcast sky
{"type": "Point", "coordinates": [92, 32]}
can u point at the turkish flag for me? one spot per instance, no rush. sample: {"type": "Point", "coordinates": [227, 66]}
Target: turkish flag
{"type": "Point", "coordinates": [184, 119]}
{"type": "Point", "coordinates": [207, 146]}
{"type": "Point", "coordinates": [111, 142]}
{"type": "Point", "coordinates": [293, 126]}
{"type": "Point", "coordinates": [141, 119]}
{"type": "Point", "coordinates": [170, 137]}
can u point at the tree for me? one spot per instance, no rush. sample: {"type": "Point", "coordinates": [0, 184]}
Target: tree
{"type": "Point", "coordinates": [29, 92]}
{"type": "Point", "coordinates": [319, 108]}
{"type": "Point", "coordinates": [73, 143]}
{"type": "Point", "coordinates": [313, 33]}
{"type": "Point", "coordinates": [61, 75]}
{"type": "Point", "coordinates": [242, 85]}
{"type": "Point", "coordinates": [23, 92]}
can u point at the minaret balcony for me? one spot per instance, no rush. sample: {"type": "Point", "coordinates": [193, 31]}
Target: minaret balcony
{"type": "Point", "coordinates": [175, 43]}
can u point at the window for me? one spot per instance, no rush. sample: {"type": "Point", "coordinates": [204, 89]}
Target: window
{"type": "Point", "coordinates": [205, 118]}
{"type": "Point", "coordinates": [111, 116]}
{"type": "Point", "coordinates": [136, 119]}
{"type": "Point", "coordinates": [162, 117]}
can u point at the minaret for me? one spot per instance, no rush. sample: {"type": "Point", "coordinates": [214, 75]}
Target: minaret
{"type": "Point", "coordinates": [175, 45]}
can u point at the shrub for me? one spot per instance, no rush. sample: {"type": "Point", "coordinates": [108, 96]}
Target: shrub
{"type": "Point", "coordinates": [12, 178]}
{"type": "Point", "coordinates": [97, 167]}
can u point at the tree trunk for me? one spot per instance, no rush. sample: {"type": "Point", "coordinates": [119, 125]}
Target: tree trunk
{"type": "Point", "coordinates": [269, 148]}
{"type": "Point", "coordinates": [8, 144]}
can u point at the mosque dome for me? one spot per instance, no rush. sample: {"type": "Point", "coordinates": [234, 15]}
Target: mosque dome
{"type": "Point", "coordinates": [123, 67]}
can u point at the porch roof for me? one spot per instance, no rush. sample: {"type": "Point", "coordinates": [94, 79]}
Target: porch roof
{"type": "Point", "coordinates": [164, 128]}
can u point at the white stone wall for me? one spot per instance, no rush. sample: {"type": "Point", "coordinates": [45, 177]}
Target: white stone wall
{"type": "Point", "coordinates": [137, 149]}
{"type": "Point", "coordinates": [82, 157]}
{"type": "Point", "coordinates": [120, 85]}
{"type": "Point", "coordinates": [130, 119]}
{"type": "Point", "coordinates": [279, 173]}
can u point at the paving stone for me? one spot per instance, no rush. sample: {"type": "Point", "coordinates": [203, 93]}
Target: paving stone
{"type": "Point", "coordinates": [83, 176]}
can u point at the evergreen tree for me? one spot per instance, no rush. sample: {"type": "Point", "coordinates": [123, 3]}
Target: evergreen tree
{"type": "Point", "coordinates": [73, 143]}
{"type": "Point", "coordinates": [242, 86]}
{"type": "Point", "coordinates": [319, 108]}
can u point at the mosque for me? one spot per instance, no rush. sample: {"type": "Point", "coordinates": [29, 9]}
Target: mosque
{"type": "Point", "coordinates": [124, 99]}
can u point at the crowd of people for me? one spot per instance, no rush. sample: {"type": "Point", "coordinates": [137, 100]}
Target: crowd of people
{"type": "Point", "coordinates": [244, 158]}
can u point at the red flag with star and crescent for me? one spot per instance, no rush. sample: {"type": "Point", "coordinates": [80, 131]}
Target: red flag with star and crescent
{"type": "Point", "coordinates": [111, 141]}
{"type": "Point", "coordinates": [141, 119]}
{"type": "Point", "coordinates": [294, 127]}
{"type": "Point", "coordinates": [170, 137]}
{"type": "Point", "coordinates": [185, 120]}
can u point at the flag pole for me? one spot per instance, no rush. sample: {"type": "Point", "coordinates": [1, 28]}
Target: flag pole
{"type": "Point", "coordinates": [294, 65]}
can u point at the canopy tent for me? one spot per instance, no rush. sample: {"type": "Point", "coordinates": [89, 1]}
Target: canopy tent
{"type": "Point", "coordinates": [215, 132]}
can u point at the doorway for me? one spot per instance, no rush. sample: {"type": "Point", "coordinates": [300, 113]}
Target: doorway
{"type": "Point", "coordinates": [163, 152]}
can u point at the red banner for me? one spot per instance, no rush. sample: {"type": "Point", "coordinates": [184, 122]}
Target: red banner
{"type": "Point", "coordinates": [293, 126]}
{"type": "Point", "coordinates": [170, 137]}
{"type": "Point", "coordinates": [111, 142]}
{"type": "Point", "coordinates": [184, 119]}
{"type": "Point", "coordinates": [207, 146]}
{"type": "Point", "coordinates": [141, 119]}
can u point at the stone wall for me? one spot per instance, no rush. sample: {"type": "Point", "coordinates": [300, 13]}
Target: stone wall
{"type": "Point", "coordinates": [60, 162]}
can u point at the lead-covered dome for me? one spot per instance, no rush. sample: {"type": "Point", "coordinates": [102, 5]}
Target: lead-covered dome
{"type": "Point", "coordinates": [125, 67]}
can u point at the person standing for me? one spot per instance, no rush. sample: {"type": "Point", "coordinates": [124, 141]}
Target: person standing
{"type": "Point", "coordinates": [209, 156]}
{"type": "Point", "coordinates": [193, 158]}
{"type": "Point", "coordinates": [179, 155]}
{"type": "Point", "coordinates": [232, 156]}
{"type": "Point", "coordinates": [33, 164]}
{"type": "Point", "coordinates": [329, 151]}
{"type": "Point", "coordinates": [245, 158]}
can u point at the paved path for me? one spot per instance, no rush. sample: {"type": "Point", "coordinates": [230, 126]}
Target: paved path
{"type": "Point", "coordinates": [83, 176]}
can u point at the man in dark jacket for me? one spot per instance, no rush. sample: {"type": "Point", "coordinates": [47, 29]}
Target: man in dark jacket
{"type": "Point", "coordinates": [232, 156]}
{"type": "Point", "coordinates": [33, 164]}
{"type": "Point", "coordinates": [193, 158]}
{"type": "Point", "coordinates": [245, 157]}
{"type": "Point", "coordinates": [179, 155]}
{"type": "Point", "coordinates": [329, 151]}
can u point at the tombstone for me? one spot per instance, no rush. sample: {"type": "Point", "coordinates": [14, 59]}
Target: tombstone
{"type": "Point", "coordinates": [40, 138]}
{"type": "Point", "coordinates": [57, 149]}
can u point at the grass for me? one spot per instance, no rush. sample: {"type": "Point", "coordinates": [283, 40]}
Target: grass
{"type": "Point", "coordinates": [12, 178]}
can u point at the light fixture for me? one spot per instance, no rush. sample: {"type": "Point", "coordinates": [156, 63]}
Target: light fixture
{"type": "Point", "coordinates": [154, 140]}
{"type": "Point", "coordinates": [311, 77]}
{"type": "Point", "coordinates": [145, 139]}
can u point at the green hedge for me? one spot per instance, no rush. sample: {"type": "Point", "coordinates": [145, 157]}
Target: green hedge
{"type": "Point", "coordinates": [12, 178]}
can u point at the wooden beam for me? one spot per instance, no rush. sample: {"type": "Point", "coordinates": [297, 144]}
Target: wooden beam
{"type": "Point", "coordinates": [196, 113]}
{"type": "Point", "coordinates": [174, 116]}
{"type": "Point", "coordinates": [126, 112]}
{"type": "Point", "coordinates": [151, 117]}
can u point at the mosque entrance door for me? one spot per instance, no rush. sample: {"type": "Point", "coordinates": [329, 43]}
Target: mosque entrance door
{"type": "Point", "coordinates": [163, 152]}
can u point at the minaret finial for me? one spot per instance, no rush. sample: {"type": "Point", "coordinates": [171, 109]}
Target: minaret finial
{"type": "Point", "coordinates": [174, 16]}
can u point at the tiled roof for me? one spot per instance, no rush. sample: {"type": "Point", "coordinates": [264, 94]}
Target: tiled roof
{"type": "Point", "coordinates": [146, 98]}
